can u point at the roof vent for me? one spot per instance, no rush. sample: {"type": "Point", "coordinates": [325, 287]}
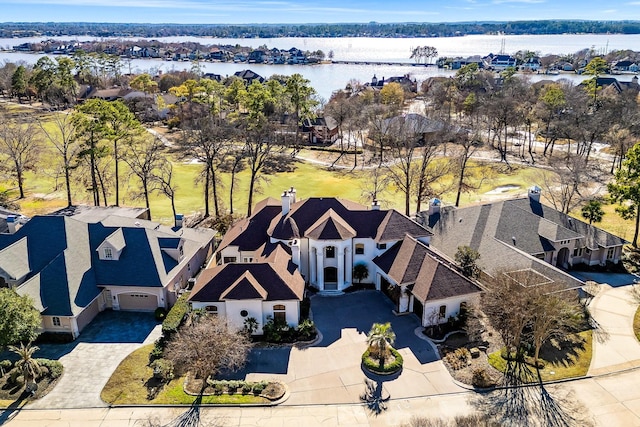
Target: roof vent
{"type": "Point", "coordinates": [514, 240]}
{"type": "Point", "coordinates": [137, 224]}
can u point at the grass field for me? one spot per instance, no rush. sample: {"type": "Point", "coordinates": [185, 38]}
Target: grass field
{"type": "Point", "coordinates": [569, 360]}
{"type": "Point", "coordinates": [45, 188]}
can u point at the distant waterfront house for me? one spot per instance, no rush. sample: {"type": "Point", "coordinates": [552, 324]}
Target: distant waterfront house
{"type": "Point", "coordinates": [321, 130]}
{"type": "Point", "coordinates": [249, 76]}
{"type": "Point", "coordinates": [499, 62]}
{"type": "Point", "coordinates": [322, 239]}
{"type": "Point", "coordinates": [80, 261]}
{"type": "Point", "coordinates": [532, 64]}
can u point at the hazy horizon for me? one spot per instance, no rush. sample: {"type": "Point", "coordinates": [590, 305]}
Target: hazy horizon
{"type": "Point", "coordinates": [298, 12]}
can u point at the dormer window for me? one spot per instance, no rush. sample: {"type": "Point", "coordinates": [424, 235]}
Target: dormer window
{"type": "Point", "coordinates": [330, 252]}
{"type": "Point", "coordinates": [108, 253]}
{"type": "Point", "coordinates": [381, 245]}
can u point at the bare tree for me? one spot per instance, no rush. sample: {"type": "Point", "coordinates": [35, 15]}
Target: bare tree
{"type": "Point", "coordinates": [144, 157]}
{"type": "Point", "coordinates": [205, 345]}
{"type": "Point", "coordinates": [63, 137]}
{"type": "Point", "coordinates": [166, 184]}
{"type": "Point", "coordinates": [21, 145]}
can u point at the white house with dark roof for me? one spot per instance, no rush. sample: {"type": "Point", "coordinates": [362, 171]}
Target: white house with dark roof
{"type": "Point", "coordinates": [323, 239]}
{"type": "Point", "coordinates": [79, 262]}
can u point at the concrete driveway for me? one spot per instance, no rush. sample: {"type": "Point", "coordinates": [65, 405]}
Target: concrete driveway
{"type": "Point", "coordinates": [91, 359]}
{"type": "Point", "coordinates": [329, 372]}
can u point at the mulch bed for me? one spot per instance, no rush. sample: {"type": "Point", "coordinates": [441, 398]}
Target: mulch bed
{"type": "Point", "coordinates": [11, 392]}
{"type": "Point", "coordinates": [273, 391]}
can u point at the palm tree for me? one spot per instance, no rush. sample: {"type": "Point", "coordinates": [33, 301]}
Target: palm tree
{"type": "Point", "coordinates": [380, 338]}
{"type": "Point", "coordinates": [27, 363]}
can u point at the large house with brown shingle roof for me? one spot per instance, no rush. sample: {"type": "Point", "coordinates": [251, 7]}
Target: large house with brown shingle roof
{"type": "Point", "coordinates": [323, 238]}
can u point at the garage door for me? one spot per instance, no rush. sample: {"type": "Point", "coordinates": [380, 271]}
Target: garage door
{"type": "Point", "coordinates": [136, 301]}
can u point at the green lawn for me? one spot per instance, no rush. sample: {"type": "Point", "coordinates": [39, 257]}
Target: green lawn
{"type": "Point", "coordinates": [571, 360]}
{"type": "Point", "coordinates": [127, 386]}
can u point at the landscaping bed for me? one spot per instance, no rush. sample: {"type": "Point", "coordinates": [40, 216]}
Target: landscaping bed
{"type": "Point", "coordinates": [393, 362]}
{"type": "Point", "coordinates": [12, 386]}
{"type": "Point", "coordinates": [132, 383]}
{"type": "Point", "coordinates": [270, 390]}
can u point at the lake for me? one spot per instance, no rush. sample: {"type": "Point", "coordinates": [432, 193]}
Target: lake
{"type": "Point", "coordinates": [327, 78]}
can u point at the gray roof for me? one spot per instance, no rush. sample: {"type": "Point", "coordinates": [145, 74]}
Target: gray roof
{"type": "Point", "coordinates": [64, 271]}
{"type": "Point", "coordinates": [490, 229]}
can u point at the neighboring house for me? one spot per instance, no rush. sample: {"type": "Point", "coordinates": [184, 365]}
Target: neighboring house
{"type": "Point", "coordinates": [523, 234]}
{"type": "Point", "coordinates": [414, 125]}
{"type": "Point", "coordinates": [323, 238]}
{"type": "Point", "coordinates": [80, 261]}
{"type": "Point", "coordinates": [499, 62]}
{"type": "Point", "coordinates": [613, 84]}
{"type": "Point", "coordinates": [249, 76]}
{"type": "Point", "coordinates": [458, 63]}
{"type": "Point", "coordinates": [321, 130]}
{"type": "Point", "coordinates": [404, 81]}
{"type": "Point", "coordinates": [532, 64]}
{"type": "Point", "coordinates": [271, 286]}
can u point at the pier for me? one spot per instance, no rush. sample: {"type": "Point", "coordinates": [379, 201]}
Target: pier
{"type": "Point", "coordinates": [401, 64]}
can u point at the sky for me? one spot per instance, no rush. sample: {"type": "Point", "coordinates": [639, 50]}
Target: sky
{"type": "Point", "coordinates": [310, 11]}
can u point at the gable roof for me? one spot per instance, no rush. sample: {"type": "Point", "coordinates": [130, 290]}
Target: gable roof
{"type": "Point", "coordinates": [412, 263]}
{"type": "Point", "coordinates": [273, 280]}
{"type": "Point", "coordinates": [64, 270]}
{"type": "Point", "coordinates": [350, 217]}
{"type": "Point", "coordinates": [506, 235]}
{"type": "Point", "coordinates": [330, 226]}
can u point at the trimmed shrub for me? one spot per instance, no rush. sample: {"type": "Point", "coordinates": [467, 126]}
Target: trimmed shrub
{"type": "Point", "coordinates": [246, 388]}
{"type": "Point", "coordinates": [5, 367]}
{"type": "Point", "coordinates": [160, 314]}
{"type": "Point", "coordinates": [176, 315]}
{"type": "Point", "coordinates": [54, 367]}
{"type": "Point", "coordinates": [259, 387]}
{"type": "Point", "coordinates": [162, 370]}
{"type": "Point", "coordinates": [373, 364]}
{"type": "Point", "coordinates": [157, 351]}
{"type": "Point", "coordinates": [481, 379]}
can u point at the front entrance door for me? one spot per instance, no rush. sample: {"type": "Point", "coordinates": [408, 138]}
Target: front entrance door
{"type": "Point", "coordinates": [330, 279]}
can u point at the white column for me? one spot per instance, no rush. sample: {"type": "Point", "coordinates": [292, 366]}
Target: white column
{"type": "Point", "coordinates": [320, 268]}
{"type": "Point", "coordinates": [312, 266]}
{"type": "Point", "coordinates": [348, 266]}
{"type": "Point", "coordinates": [341, 271]}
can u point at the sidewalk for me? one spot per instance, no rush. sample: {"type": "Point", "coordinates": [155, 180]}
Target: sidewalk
{"type": "Point", "coordinates": [615, 346]}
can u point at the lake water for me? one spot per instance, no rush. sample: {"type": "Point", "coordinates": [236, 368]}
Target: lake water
{"type": "Point", "coordinates": [327, 78]}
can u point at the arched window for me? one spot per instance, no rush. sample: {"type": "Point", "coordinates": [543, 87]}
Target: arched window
{"type": "Point", "coordinates": [359, 248]}
{"type": "Point", "coordinates": [280, 313]}
{"type": "Point", "coordinates": [443, 311]}
{"type": "Point", "coordinates": [330, 252]}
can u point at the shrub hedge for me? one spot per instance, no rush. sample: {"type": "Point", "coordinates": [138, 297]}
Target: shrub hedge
{"type": "Point", "coordinates": [373, 365]}
{"type": "Point", "coordinates": [176, 315]}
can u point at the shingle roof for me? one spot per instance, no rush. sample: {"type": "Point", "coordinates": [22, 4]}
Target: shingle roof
{"type": "Point", "coordinates": [65, 272]}
{"type": "Point", "coordinates": [330, 226]}
{"type": "Point", "coordinates": [410, 262]}
{"type": "Point", "coordinates": [490, 229]}
{"type": "Point", "coordinates": [270, 281]}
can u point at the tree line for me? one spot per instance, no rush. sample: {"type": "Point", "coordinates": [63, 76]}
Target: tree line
{"type": "Point", "coordinates": [371, 29]}
{"type": "Point", "coordinates": [235, 125]}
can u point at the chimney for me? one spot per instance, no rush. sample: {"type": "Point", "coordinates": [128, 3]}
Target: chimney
{"type": "Point", "coordinates": [295, 252]}
{"type": "Point", "coordinates": [11, 223]}
{"type": "Point", "coordinates": [179, 220]}
{"type": "Point", "coordinates": [286, 203]}
{"type": "Point", "coordinates": [434, 206]}
{"type": "Point", "coordinates": [534, 193]}
{"type": "Point", "coordinates": [292, 193]}
{"type": "Point", "coordinates": [375, 206]}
